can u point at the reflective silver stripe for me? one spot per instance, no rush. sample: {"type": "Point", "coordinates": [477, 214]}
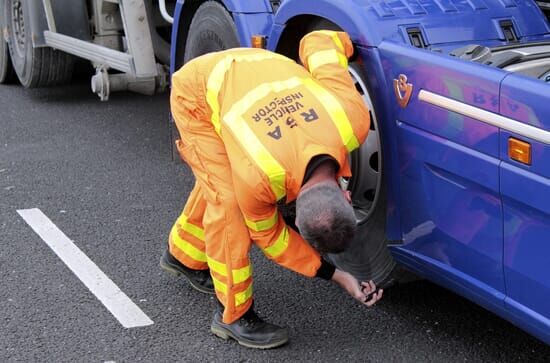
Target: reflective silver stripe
{"type": "Point", "coordinates": [487, 117]}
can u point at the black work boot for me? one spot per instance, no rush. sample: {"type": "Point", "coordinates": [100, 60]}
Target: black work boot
{"type": "Point", "coordinates": [250, 330]}
{"type": "Point", "coordinates": [199, 279]}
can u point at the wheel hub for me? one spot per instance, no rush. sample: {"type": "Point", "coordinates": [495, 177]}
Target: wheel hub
{"type": "Point", "coordinates": [18, 23]}
{"type": "Point", "coordinates": [366, 162]}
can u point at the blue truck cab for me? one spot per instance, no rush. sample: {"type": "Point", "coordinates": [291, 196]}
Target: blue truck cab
{"type": "Point", "coordinates": [453, 182]}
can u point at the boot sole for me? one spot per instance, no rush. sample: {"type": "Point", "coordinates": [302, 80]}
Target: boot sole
{"type": "Point", "coordinates": [173, 270]}
{"type": "Point", "coordinates": [225, 335]}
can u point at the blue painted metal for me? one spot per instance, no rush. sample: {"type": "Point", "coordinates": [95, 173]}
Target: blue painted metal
{"type": "Point", "coordinates": [383, 102]}
{"type": "Point", "coordinates": [448, 164]}
{"type": "Point", "coordinates": [174, 37]}
{"type": "Point", "coordinates": [475, 291]}
{"type": "Point", "coordinates": [347, 14]}
{"type": "Point", "coordinates": [239, 6]}
{"type": "Point", "coordinates": [369, 22]}
{"type": "Point", "coordinates": [526, 198]}
{"type": "Point", "coordinates": [450, 212]}
{"type": "Point", "coordinates": [526, 99]}
{"type": "Point", "coordinates": [453, 78]}
{"type": "Point", "coordinates": [469, 218]}
{"type": "Point", "coordinates": [454, 279]}
{"type": "Point", "coordinates": [252, 24]}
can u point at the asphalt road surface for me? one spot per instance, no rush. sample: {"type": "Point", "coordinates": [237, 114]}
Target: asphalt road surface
{"type": "Point", "coordinates": [103, 174]}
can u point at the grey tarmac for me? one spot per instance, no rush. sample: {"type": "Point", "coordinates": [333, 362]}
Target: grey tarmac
{"type": "Point", "coordinates": [102, 172]}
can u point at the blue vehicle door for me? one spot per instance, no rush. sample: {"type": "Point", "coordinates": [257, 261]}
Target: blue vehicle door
{"type": "Point", "coordinates": [451, 210]}
{"type": "Point", "coordinates": [525, 186]}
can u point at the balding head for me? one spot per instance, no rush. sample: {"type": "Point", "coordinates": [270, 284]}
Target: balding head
{"type": "Point", "coordinates": [325, 218]}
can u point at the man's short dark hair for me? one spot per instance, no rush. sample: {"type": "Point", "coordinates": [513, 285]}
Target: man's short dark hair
{"type": "Point", "coordinates": [325, 218]}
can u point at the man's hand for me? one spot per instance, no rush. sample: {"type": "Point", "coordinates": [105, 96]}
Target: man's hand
{"type": "Point", "coordinates": [365, 292]}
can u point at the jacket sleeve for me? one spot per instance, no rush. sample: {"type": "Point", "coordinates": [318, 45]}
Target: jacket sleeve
{"type": "Point", "coordinates": [269, 231]}
{"type": "Point", "coordinates": [325, 55]}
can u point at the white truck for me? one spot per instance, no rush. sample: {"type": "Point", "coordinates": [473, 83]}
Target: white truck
{"type": "Point", "coordinates": [127, 42]}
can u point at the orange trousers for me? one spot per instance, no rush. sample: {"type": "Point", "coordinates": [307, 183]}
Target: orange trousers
{"type": "Point", "coordinates": [211, 231]}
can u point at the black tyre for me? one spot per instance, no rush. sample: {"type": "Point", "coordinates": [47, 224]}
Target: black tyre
{"type": "Point", "coordinates": [35, 67]}
{"type": "Point", "coordinates": [7, 73]}
{"type": "Point", "coordinates": [212, 29]}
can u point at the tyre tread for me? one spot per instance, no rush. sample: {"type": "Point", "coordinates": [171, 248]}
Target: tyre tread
{"type": "Point", "coordinates": [42, 66]}
{"type": "Point", "coordinates": [210, 10]}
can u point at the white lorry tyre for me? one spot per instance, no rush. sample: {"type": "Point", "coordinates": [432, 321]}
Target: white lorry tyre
{"type": "Point", "coordinates": [35, 67]}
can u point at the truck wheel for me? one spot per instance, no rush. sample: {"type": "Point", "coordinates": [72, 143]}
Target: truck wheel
{"type": "Point", "coordinates": [35, 67]}
{"type": "Point", "coordinates": [212, 29]}
{"type": "Point", "coordinates": [366, 162]}
{"type": "Point", "coordinates": [368, 258]}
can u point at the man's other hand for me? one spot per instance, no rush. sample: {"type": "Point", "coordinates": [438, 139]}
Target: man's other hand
{"type": "Point", "coordinates": [364, 292]}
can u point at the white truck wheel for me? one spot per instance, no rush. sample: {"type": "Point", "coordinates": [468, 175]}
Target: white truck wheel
{"type": "Point", "coordinates": [35, 67]}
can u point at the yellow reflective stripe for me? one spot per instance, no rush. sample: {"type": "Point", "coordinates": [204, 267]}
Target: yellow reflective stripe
{"type": "Point", "coordinates": [329, 56]}
{"type": "Point", "coordinates": [335, 38]}
{"type": "Point", "coordinates": [217, 76]}
{"type": "Point", "coordinates": [280, 245]}
{"type": "Point", "coordinates": [239, 275]}
{"type": "Point", "coordinates": [261, 156]}
{"type": "Point", "coordinates": [264, 224]}
{"type": "Point", "coordinates": [336, 112]}
{"type": "Point", "coordinates": [217, 267]}
{"type": "Point", "coordinates": [213, 86]}
{"type": "Point", "coordinates": [187, 247]}
{"type": "Point", "coordinates": [248, 139]}
{"type": "Point", "coordinates": [242, 297]}
{"type": "Point", "coordinates": [220, 286]}
{"type": "Point", "coordinates": [190, 228]}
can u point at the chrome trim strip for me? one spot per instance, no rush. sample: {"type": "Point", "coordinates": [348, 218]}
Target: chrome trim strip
{"type": "Point", "coordinates": [487, 117]}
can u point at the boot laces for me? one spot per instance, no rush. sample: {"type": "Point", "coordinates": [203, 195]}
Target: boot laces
{"type": "Point", "coordinates": [202, 276]}
{"type": "Point", "coordinates": [251, 319]}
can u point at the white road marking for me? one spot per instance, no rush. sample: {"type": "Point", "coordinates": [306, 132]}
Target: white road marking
{"type": "Point", "coordinates": [116, 301]}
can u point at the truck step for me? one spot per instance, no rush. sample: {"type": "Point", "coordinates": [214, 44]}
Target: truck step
{"type": "Point", "coordinates": [96, 53]}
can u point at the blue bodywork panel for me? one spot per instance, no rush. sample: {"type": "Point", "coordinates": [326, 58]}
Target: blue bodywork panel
{"type": "Point", "coordinates": [466, 215]}
{"type": "Point", "coordinates": [525, 193]}
{"type": "Point", "coordinates": [442, 21]}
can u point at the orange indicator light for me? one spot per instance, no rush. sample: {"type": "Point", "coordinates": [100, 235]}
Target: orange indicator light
{"type": "Point", "coordinates": [258, 41]}
{"type": "Point", "coordinates": [519, 151]}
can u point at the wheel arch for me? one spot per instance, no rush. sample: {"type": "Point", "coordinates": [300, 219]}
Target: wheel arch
{"type": "Point", "coordinates": [344, 14]}
{"type": "Point", "coordinates": [290, 29]}
{"type": "Point", "coordinates": [294, 30]}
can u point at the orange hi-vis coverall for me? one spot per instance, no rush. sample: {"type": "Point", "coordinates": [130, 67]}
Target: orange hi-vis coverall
{"type": "Point", "coordinates": [250, 121]}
